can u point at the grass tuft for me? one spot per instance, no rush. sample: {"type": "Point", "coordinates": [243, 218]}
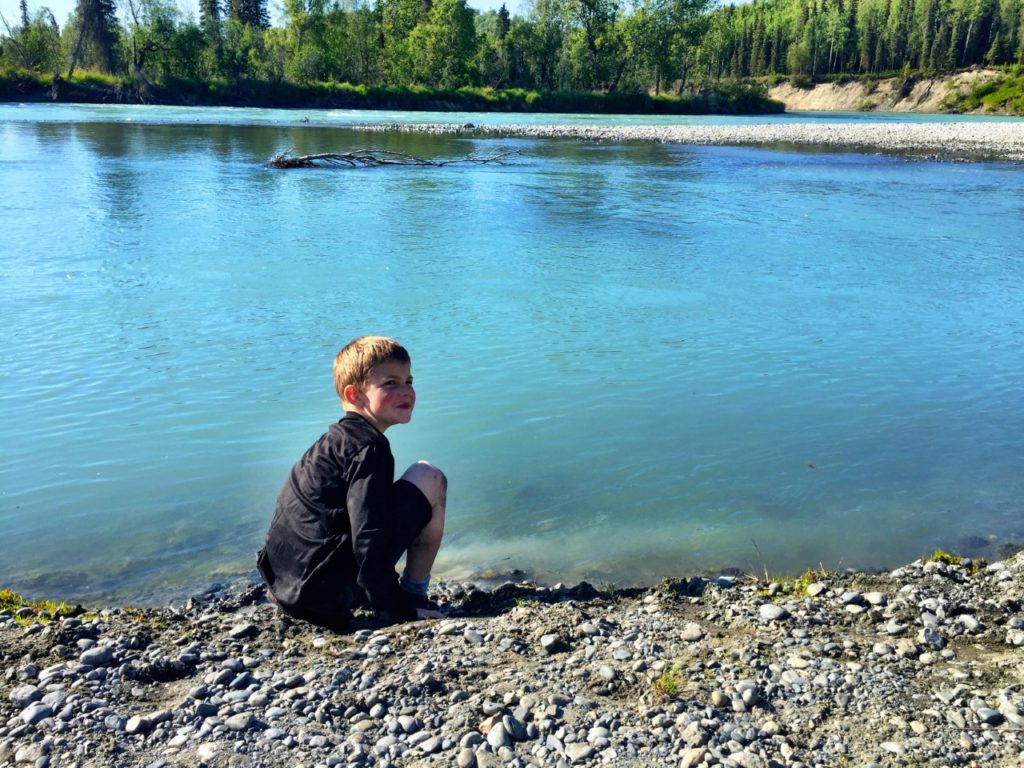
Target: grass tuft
{"type": "Point", "coordinates": [669, 685]}
{"type": "Point", "coordinates": [38, 610]}
{"type": "Point", "coordinates": [941, 556]}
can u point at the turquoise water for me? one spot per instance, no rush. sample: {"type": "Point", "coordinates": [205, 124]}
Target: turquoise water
{"type": "Point", "coordinates": [632, 360]}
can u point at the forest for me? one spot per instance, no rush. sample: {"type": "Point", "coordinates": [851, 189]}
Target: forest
{"type": "Point", "coordinates": [608, 47]}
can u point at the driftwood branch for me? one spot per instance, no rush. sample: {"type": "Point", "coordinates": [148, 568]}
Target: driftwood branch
{"type": "Point", "coordinates": [370, 158]}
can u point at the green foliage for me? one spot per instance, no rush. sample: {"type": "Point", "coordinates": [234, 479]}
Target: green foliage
{"type": "Point", "coordinates": [669, 684]}
{"type": "Point", "coordinates": [796, 586]}
{"type": "Point", "coordinates": [825, 37]}
{"type": "Point", "coordinates": [941, 556]}
{"type": "Point", "coordinates": [1004, 94]}
{"type": "Point", "coordinates": [604, 55]}
{"type": "Point", "coordinates": [40, 610]}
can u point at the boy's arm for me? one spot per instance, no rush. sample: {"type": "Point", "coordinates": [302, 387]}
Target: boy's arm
{"type": "Point", "coordinates": [373, 543]}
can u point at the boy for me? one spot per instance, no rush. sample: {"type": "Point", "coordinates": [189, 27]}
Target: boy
{"type": "Point", "coordinates": [342, 522]}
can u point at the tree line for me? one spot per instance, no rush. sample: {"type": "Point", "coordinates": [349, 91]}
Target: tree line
{"type": "Point", "coordinates": [816, 38]}
{"type": "Point", "coordinates": [611, 46]}
{"type": "Point", "coordinates": [556, 45]}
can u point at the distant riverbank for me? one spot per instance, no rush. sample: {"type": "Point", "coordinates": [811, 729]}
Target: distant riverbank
{"type": "Point", "coordinates": [954, 140]}
{"type": "Point", "coordinates": [982, 91]}
{"type": "Point", "coordinates": [726, 99]}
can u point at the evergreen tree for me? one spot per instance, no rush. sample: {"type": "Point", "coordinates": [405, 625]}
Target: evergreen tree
{"type": "Point", "coordinates": [252, 13]}
{"type": "Point", "coordinates": [97, 30]}
{"type": "Point", "coordinates": [25, 20]}
{"type": "Point", "coordinates": [209, 14]}
{"type": "Point", "coordinates": [504, 20]}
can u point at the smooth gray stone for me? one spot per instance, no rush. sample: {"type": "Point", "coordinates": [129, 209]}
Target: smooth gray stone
{"type": "Point", "coordinates": [989, 715]}
{"type": "Point", "coordinates": [498, 737]}
{"type": "Point", "coordinates": [30, 753]}
{"type": "Point", "coordinates": [578, 751]}
{"type": "Point", "coordinates": [471, 739]}
{"type": "Point", "coordinates": [606, 672]}
{"type": "Point", "coordinates": [772, 612]}
{"type": "Point", "coordinates": [692, 632]}
{"type": "Point", "coordinates": [431, 745]}
{"type": "Point", "coordinates": [515, 728]}
{"type": "Point", "coordinates": [239, 722]}
{"type": "Point", "coordinates": [892, 746]}
{"type": "Point", "coordinates": [137, 724]}
{"type": "Point", "coordinates": [99, 656]}
{"type": "Point", "coordinates": [473, 637]}
{"type": "Point", "coordinates": [551, 643]}
{"type": "Point", "coordinates": [408, 723]}
{"type": "Point", "coordinates": [466, 758]}
{"type": "Point", "coordinates": [35, 712]}
{"type": "Point", "coordinates": [895, 628]}
{"type": "Point", "coordinates": [24, 695]}
{"type": "Point", "coordinates": [243, 631]}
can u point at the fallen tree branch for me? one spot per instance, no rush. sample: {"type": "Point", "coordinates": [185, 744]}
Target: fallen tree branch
{"type": "Point", "coordinates": [369, 158]}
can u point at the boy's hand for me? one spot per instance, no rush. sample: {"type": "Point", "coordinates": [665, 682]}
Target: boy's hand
{"type": "Point", "coordinates": [426, 613]}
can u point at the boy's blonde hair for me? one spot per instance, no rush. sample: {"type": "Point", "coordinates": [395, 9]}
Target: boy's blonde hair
{"type": "Point", "coordinates": [357, 359]}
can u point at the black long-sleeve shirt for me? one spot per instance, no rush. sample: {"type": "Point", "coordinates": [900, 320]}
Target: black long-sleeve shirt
{"type": "Point", "coordinates": [330, 529]}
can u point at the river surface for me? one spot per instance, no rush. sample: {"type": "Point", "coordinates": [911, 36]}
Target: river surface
{"type": "Point", "coordinates": [632, 360]}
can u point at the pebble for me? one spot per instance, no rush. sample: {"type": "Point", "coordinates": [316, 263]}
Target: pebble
{"type": "Point", "coordinates": [36, 712]}
{"type": "Point", "coordinates": [551, 643]}
{"type": "Point", "coordinates": [243, 631]}
{"type": "Point", "coordinates": [772, 612]}
{"type": "Point", "coordinates": [97, 657]}
{"type": "Point", "coordinates": [691, 632]}
{"type": "Point", "coordinates": [239, 722]}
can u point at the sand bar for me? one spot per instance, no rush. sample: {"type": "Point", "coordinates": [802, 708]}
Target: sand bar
{"type": "Point", "coordinates": [952, 140]}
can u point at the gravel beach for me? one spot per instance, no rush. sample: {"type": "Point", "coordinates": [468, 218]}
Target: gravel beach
{"type": "Point", "coordinates": [923, 665]}
{"type": "Point", "coordinates": [952, 140]}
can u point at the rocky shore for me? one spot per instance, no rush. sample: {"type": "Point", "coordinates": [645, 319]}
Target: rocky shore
{"type": "Point", "coordinates": [923, 665]}
{"type": "Point", "coordinates": [941, 140]}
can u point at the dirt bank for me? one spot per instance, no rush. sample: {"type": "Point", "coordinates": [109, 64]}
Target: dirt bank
{"type": "Point", "coordinates": [890, 95]}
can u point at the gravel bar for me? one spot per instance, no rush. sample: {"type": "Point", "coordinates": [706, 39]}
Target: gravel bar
{"type": "Point", "coordinates": [952, 140]}
{"type": "Point", "coordinates": [923, 666]}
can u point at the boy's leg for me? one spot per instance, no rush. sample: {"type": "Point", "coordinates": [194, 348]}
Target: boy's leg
{"type": "Point", "coordinates": [419, 558]}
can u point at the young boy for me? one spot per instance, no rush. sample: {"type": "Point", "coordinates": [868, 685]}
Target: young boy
{"type": "Point", "coordinates": [342, 522]}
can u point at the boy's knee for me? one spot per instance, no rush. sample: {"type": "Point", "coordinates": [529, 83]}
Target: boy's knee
{"type": "Point", "coordinates": [430, 480]}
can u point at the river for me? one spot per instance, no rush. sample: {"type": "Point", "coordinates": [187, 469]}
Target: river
{"type": "Point", "coordinates": [632, 360]}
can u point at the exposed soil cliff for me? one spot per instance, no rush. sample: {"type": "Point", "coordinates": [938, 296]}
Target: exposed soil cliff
{"type": "Point", "coordinates": [890, 95]}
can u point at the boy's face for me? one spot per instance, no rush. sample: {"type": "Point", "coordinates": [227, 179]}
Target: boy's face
{"type": "Point", "coordinates": [387, 397]}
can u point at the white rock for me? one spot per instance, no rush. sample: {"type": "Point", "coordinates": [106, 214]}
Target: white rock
{"type": "Point", "coordinates": [772, 612]}
{"type": "Point", "coordinates": [691, 632]}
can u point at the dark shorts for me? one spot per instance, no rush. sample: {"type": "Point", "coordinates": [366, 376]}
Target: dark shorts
{"type": "Point", "coordinates": [410, 513]}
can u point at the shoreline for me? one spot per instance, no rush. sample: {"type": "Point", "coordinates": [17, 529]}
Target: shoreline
{"type": "Point", "coordinates": [940, 140]}
{"type": "Point", "coordinates": [920, 665]}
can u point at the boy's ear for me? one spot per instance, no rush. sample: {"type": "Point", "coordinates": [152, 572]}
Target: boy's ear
{"type": "Point", "coordinates": [352, 394]}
